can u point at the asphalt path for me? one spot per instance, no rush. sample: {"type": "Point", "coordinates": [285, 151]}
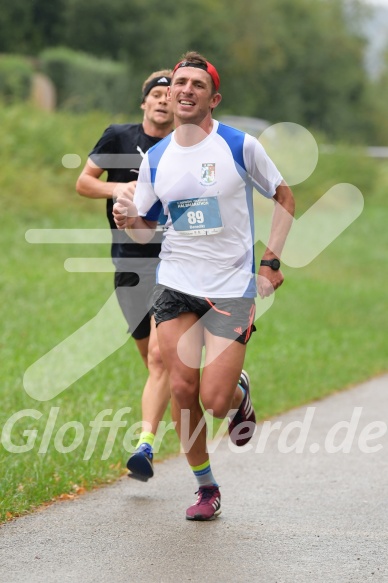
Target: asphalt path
{"type": "Point", "coordinates": [306, 501]}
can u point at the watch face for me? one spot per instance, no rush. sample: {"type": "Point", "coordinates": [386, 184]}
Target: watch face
{"type": "Point", "coordinates": [275, 264]}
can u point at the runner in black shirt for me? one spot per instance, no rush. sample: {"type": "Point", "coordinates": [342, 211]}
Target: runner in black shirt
{"type": "Point", "coordinates": [119, 153]}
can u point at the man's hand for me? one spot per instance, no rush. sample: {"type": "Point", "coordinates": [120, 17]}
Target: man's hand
{"type": "Point", "coordinates": [268, 280]}
{"type": "Point", "coordinates": [124, 189]}
{"type": "Point", "coordinates": [124, 212]}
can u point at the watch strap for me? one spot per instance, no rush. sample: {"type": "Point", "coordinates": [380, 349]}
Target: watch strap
{"type": "Point", "coordinates": [272, 263]}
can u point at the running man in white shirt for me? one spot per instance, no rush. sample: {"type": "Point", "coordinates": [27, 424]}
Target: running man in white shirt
{"type": "Point", "coordinates": [203, 176]}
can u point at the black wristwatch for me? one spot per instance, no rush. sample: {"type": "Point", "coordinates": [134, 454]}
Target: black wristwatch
{"type": "Point", "coordinates": [272, 263]}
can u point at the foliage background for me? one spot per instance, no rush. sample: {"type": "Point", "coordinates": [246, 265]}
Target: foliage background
{"type": "Point", "coordinates": [325, 331]}
{"type": "Point", "coordinates": [282, 60]}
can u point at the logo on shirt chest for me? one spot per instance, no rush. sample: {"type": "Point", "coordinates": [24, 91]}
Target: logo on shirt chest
{"type": "Point", "coordinates": [208, 173]}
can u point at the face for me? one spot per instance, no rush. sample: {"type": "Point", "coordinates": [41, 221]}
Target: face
{"type": "Point", "coordinates": [157, 109]}
{"type": "Point", "coordinates": [191, 95]}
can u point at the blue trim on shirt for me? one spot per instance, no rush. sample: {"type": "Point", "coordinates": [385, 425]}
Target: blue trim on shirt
{"type": "Point", "coordinates": [235, 140]}
{"type": "Point", "coordinates": [154, 155]}
{"type": "Point", "coordinates": [154, 212]}
{"type": "Point", "coordinates": [251, 290]}
{"type": "Point", "coordinates": [157, 273]}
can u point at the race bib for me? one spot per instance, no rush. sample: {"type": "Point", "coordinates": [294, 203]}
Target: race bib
{"type": "Point", "coordinates": [196, 216]}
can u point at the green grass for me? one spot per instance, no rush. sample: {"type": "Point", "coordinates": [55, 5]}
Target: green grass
{"type": "Point", "coordinates": [325, 331]}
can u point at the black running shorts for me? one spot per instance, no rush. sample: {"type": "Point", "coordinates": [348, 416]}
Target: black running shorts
{"type": "Point", "coordinates": [134, 292]}
{"type": "Point", "coordinates": [226, 317]}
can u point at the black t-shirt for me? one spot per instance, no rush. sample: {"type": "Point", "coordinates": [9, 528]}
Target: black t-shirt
{"type": "Point", "coordinates": [130, 143]}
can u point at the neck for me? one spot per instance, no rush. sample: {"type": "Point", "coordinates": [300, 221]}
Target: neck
{"type": "Point", "coordinates": [156, 131]}
{"type": "Point", "coordinates": [189, 134]}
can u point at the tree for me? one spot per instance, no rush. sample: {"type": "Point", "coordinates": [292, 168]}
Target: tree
{"type": "Point", "coordinates": [296, 60]}
{"type": "Point", "coordinates": [284, 60]}
{"type": "Point", "coordinates": [29, 27]}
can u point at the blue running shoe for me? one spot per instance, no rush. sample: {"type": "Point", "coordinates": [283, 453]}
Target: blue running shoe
{"type": "Point", "coordinates": [140, 463]}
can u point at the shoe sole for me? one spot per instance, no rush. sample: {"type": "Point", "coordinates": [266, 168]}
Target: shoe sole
{"type": "Point", "coordinates": [139, 468]}
{"type": "Point", "coordinates": [199, 517]}
{"type": "Point", "coordinates": [137, 477]}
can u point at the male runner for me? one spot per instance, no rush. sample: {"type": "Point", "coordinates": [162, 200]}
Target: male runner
{"type": "Point", "coordinates": [119, 153]}
{"type": "Point", "coordinates": [203, 176]}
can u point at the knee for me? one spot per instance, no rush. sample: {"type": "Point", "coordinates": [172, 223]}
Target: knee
{"type": "Point", "coordinates": [217, 405]}
{"type": "Point", "coordinates": [154, 358]}
{"type": "Point", "coordinates": [184, 392]}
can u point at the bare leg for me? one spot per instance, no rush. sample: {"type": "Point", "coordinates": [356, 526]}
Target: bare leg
{"type": "Point", "coordinates": [184, 383]}
{"type": "Point", "coordinates": [142, 346]}
{"type": "Point", "coordinates": [156, 393]}
{"type": "Point", "coordinates": [155, 398]}
{"type": "Point", "coordinates": [219, 391]}
{"type": "Point", "coordinates": [217, 388]}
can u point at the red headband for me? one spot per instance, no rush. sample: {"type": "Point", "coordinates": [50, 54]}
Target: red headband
{"type": "Point", "coordinates": [209, 68]}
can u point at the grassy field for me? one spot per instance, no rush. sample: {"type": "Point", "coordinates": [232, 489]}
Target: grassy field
{"type": "Point", "coordinates": [325, 331]}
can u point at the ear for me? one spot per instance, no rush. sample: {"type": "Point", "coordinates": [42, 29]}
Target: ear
{"type": "Point", "coordinates": [216, 99]}
{"type": "Point", "coordinates": [142, 106]}
{"type": "Point", "coordinates": [168, 96]}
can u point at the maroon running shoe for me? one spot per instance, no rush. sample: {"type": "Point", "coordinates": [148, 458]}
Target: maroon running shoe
{"type": "Point", "coordinates": [207, 506]}
{"type": "Point", "coordinates": [243, 425]}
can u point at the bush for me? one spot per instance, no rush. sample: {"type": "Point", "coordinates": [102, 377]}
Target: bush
{"type": "Point", "coordinates": [84, 83]}
{"type": "Point", "coordinates": [15, 78]}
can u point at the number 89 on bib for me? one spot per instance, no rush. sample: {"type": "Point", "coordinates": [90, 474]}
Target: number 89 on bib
{"type": "Point", "coordinates": [196, 216]}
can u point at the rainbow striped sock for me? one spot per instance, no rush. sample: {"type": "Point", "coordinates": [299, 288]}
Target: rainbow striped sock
{"type": "Point", "coordinates": [204, 474]}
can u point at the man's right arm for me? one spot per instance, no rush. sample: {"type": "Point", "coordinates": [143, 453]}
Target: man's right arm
{"type": "Point", "coordinates": [126, 213]}
{"type": "Point", "coordinates": [126, 217]}
{"type": "Point", "coordinates": [90, 185]}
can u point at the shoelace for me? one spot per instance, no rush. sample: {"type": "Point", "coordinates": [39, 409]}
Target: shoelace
{"type": "Point", "coordinates": [205, 494]}
{"type": "Point", "coordinates": [144, 448]}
